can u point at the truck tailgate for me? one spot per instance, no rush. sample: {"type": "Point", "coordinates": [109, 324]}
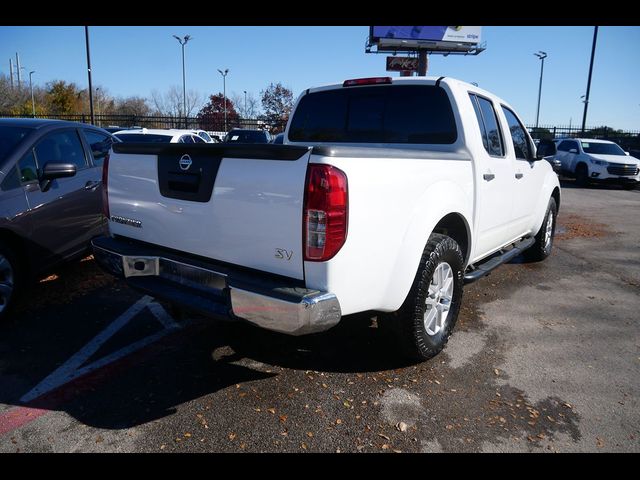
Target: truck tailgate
{"type": "Point", "coordinates": [240, 204]}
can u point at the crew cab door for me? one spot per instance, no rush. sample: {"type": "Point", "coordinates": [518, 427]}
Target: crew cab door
{"type": "Point", "coordinates": [494, 180]}
{"type": "Point", "coordinates": [528, 174]}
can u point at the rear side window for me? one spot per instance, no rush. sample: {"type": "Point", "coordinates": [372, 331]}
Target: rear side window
{"type": "Point", "coordinates": [518, 135]}
{"type": "Point", "coordinates": [143, 138]}
{"type": "Point", "coordinates": [376, 114]}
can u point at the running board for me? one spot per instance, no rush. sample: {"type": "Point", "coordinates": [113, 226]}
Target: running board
{"type": "Point", "coordinates": [485, 267]}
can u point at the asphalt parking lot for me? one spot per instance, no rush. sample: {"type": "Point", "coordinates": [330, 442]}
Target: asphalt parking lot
{"type": "Point", "coordinates": [545, 358]}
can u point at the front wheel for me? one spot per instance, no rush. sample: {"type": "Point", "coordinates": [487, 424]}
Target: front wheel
{"type": "Point", "coordinates": [543, 244]}
{"type": "Point", "coordinates": [582, 175]}
{"type": "Point", "coordinates": [424, 322]}
{"type": "Point", "coordinates": [9, 280]}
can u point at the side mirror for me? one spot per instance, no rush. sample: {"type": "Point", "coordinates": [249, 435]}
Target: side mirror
{"type": "Point", "coordinates": [627, 154]}
{"type": "Point", "coordinates": [573, 150]}
{"type": "Point", "coordinates": [51, 171]}
{"type": "Point", "coordinates": [545, 148]}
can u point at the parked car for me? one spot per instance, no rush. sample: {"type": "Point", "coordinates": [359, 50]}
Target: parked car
{"type": "Point", "coordinates": [240, 135]}
{"type": "Point", "coordinates": [150, 135]}
{"type": "Point", "coordinates": [363, 210]}
{"type": "Point", "coordinates": [594, 160]}
{"type": "Point", "coordinates": [50, 197]}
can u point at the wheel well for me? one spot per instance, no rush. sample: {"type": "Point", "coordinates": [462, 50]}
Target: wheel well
{"type": "Point", "coordinates": [454, 225]}
{"type": "Point", "coordinates": [16, 244]}
{"type": "Point", "coordinates": [580, 165]}
{"type": "Point", "coordinates": [556, 196]}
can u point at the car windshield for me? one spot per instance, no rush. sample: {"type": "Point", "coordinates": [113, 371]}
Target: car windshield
{"type": "Point", "coordinates": [10, 137]}
{"type": "Point", "coordinates": [247, 136]}
{"type": "Point", "coordinates": [602, 148]}
{"type": "Point", "coordinates": [143, 138]}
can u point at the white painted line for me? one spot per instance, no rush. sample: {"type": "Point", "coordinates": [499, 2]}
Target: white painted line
{"type": "Point", "coordinates": [163, 317]}
{"type": "Point", "coordinates": [68, 370]}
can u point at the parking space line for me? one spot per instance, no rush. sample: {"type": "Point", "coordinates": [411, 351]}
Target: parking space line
{"type": "Point", "coordinates": [68, 370]}
{"type": "Point", "coordinates": [163, 317]}
{"type": "Point", "coordinates": [17, 417]}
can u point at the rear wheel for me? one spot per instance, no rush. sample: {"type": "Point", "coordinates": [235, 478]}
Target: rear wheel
{"type": "Point", "coordinates": [423, 324]}
{"type": "Point", "coordinates": [541, 249]}
{"type": "Point", "coordinates": [582, 175]}
{"type": "Point", "coordinates": [9, 280]}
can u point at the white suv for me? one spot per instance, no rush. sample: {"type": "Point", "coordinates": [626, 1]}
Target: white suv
{"type": "Point", "coordinates": [591, 160]}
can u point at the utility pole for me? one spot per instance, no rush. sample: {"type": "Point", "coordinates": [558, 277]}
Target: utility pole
{"type": "Point", "coordinates": [586, 101]}
{"type": "Point", "coordinates": [18, 68]}
{"type": "Point", "coordinates": [11, 71]}
{"type": "Point", "coordinates": [245, 103]}
{"type": "Point", "coordinates": [541, 55]}
{"type": "Point", "coordinates": [86, 37]}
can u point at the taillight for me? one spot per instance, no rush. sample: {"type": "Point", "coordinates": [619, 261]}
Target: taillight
{"type": "Point", "coordinates": [325, 212]}
{"type": "Point", "coordinates": [105, 192]}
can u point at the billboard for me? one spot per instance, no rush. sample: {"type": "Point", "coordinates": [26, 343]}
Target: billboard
{"type": "Point", "coordinates": [430, 34]}
{"type": "Point", "coordinates": [435, 39]}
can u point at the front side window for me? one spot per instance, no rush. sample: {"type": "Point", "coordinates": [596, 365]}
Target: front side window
{"type": "Point", "coordinates": [99, 144]}
{"type": "Point", "coordinates": [10, 137]}
{"type": "Point", "coordinates": [410, 114]}
{"type": "Point", "coordinates": [61, 147]}
{"type": "Point", "coordinates": [518, 135]}
{"type": "Point", "coordinates": [565, 146]}
{"type": "Point", "coordinates": [23, 172]}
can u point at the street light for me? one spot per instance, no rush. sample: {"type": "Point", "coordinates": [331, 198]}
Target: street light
{"type": "Point", "coordinates": [33, 103]}
{"type": "Point", "coordinates": [224, 89]}
{"type": "Point", "coordinates": [183, 42]}
{"type": "Point", "coordinates": [541, 55]}
{"type": "Point", "coordinates": [245, 103]}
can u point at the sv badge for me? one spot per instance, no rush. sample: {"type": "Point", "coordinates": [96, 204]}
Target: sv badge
{"type": "Point", "coordinates": [283, 254]}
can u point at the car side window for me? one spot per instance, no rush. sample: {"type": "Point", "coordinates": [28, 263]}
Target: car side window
{"type": "Point", "coordinates": [486, 116]}
{"type": "Point", "coordinates": [99, 144]}
{"type": "Point", "coordinates": [197, 139]}
{"type": "Point", "coordinates": [564, 146]}
{"type": "Point", "coordinates": [518, 135]}
{"type": "Point", "coordinates": [23, 172]}
{"type": "Point", "coordinates": [61, 147]}
{"type": "Point", "coordinates": [185, 139]}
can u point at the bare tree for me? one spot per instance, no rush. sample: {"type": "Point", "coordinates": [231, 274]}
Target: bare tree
{"type": "Point", "coordinates": [170, 102]}
{"type": "Point", "coordinates": [252, 107]}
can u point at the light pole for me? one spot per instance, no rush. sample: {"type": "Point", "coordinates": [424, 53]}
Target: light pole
{"type": "Point", "coordinates": [541, 55]}
{"type": "Point", "coordinates": [586, 100]}
{"type": "Point", "coordinates": [98, 104]}
{"type": "Point", "coordinates": [224, 90]}
{"type": "Point", "coordinates": [33, 103]}
{"type": "Point", "coordinates": [86, 37]}
{"type": "Point", "coordinates": [183, 42]}
{"type": "Point", "coordinates": [245, 103]}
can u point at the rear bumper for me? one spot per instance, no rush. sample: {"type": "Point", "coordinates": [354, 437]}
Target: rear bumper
{"type": "Point", "coordinates": [271, 302]}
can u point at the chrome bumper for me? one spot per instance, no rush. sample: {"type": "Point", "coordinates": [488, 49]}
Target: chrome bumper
{"type": "Point", "coordinates": [294, 311]}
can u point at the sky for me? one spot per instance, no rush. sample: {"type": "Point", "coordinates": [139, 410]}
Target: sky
{"type": "Point", "coordinates": [137, 60]}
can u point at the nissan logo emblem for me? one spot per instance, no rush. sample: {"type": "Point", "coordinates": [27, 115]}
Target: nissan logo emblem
{"type": "Point", "coordinates": [185, 162]}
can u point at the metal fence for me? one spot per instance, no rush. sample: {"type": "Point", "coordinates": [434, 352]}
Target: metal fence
{"type": "Point", "coordinates": [215, 124]}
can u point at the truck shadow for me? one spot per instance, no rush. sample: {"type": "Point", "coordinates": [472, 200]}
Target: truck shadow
{"type": "Point", "coordinates": [153, 382]}
{"type": "Point", "coordinates": [570, 183]}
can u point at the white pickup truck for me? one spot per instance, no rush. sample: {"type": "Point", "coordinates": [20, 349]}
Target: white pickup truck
{"type": "Point", "coordinates": [386, 197]}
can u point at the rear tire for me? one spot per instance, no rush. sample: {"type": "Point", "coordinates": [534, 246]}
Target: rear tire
{"type": "Point", "coordinates": [582, 175]}
{"type": "Point", "coordinates": [10, 280]}
{"type": "Point", "coordinates": [541, 249]}
{"type": "Point", "coordinates": [423, 324]}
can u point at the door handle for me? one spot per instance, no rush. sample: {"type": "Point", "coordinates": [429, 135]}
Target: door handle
{"type": "Point", "coordinates": [488, 176]}
{"type": "Point", "coordinates": [519, 175]}
{"type": "Point", "coordinates": [91, 185]}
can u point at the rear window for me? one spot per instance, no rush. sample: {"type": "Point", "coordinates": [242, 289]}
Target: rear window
{"type": "Point", "coordinates": [10, 137]}
{"type": "Point", "coordinates": [247, 136]}
{"type": "Point", "coordinates": [144, 138]}
{"type": "Point", "coordinates": [376, 114]}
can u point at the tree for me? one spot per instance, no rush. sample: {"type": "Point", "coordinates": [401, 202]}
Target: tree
{"type": "Point", "coordinates": [251, 109]}
{"type": "Point", "coordinates": [277, 102]}
{"type": "Point", "coordinates": [211, 116]}
{"type": "Point", "coordinates": [170, 103]}
{"type": "Point", "coordinates": [63, 98]}
{"type": "Point", "coordinates": [134, 106]}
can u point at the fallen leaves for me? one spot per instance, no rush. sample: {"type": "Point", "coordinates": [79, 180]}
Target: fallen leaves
{"type": "Point", "coordinates": [384, 436]}
{"type": "Point", "coordinates": [401, 427]}
{"type": "Point", "coordinates": [496, 371]}
{"type": "Point", "coordinates": [599, 442]}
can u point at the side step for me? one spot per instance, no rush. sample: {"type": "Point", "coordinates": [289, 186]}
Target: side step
{"type": "Point", "coordinates": [486, 266]}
